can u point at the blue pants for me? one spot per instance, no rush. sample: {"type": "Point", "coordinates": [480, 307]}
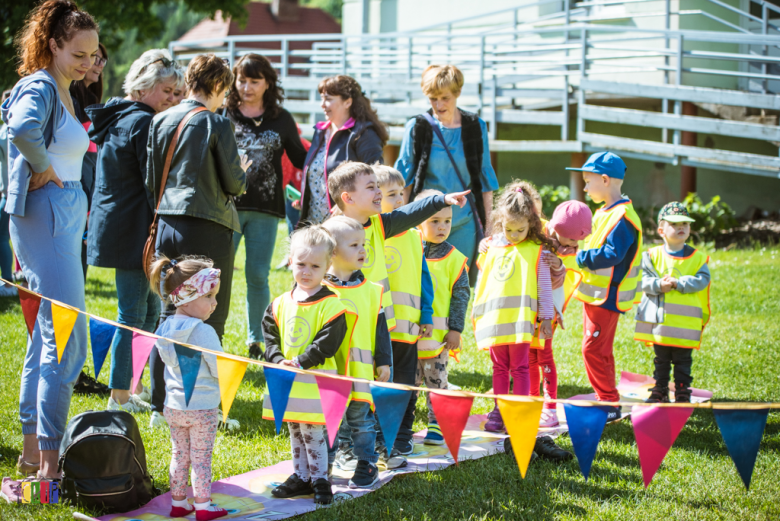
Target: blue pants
{"type": "Point", "coordinates": [47, 241]}
{"type": "Point", "coordinates": [356, 431]}
{"type": "Point", "coordinates": [259, 232]}
{"type": "Point", "coordinates": [6, 256]}
{"type": "Point", "coordinates": [464, 238]}
{"type": "Point", "coordinates": [139, 307]}
{"type": "Point", "coordinates": [292, 216]}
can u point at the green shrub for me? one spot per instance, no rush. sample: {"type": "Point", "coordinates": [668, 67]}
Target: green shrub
{"type": "Point", "coordinates": [552, 196]}
{"type": "Point", "coordinates": [711, 219]}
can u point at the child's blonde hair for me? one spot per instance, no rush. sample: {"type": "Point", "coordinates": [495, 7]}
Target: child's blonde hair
{"type": "Point", "coordinates": [341, 224]}
{"type": "Point", "coordinates": [386, 175]}
{"type": "Point", "coordinates": [306, 239]}
{"type": "Point", "coordinates": [517, 202]}
{"type": "Point", "coordinates": [343, 179]}
{"type": "Point", "coordinates": [430, 192]}
{"type": "Point", "coordinates": [166, 275]}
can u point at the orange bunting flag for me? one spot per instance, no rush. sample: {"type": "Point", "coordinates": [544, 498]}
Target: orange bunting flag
{"type": "Point", "coordinates": [452, 412]}
{"type": "Point", "coordinates": [63, 320]}
{"type": "Point", "coordinates": [522, 423]}
{"type": "Point", "coordinates": [30, 303]}
{"type": "Point", "coordinates": [230, 373]}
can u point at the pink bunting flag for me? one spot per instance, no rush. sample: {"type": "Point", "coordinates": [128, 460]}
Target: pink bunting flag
{"type": "Point", "coordinates": [334, 394]}
{"type": "Point", "coordinates": [656, 429]}
{"type": "Point", "coordinates": [142, 346]}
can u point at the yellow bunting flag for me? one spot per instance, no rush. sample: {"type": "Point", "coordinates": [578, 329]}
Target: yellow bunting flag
{"type": "Point", "coordinates": [522, 423]}
{"type": "Point", "coordinates": [230, 372]}
{"type": "Point", "coordinates": [63, 319]}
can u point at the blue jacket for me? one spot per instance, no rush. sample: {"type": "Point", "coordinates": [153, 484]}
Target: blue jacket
{"type": "Point", "coordinates": [31, 113]}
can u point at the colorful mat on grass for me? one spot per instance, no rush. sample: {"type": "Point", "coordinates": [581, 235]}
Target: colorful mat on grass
{"type": "Point", "coordinates": [248, 496]}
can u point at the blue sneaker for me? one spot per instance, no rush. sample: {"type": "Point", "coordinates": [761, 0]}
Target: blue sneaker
{"type": "Point", "coordinates": [434, 436]}
{"type": "Point", "coordinates": [404, 447]}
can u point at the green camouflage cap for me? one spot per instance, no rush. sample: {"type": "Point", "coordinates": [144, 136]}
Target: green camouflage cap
{"type": "Point", "coordinates": [674, 212]}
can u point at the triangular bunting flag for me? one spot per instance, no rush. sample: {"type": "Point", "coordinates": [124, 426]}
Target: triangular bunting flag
{"type": "Point", "coordinates": [189, 365]}
{"type": "Point", "coordinates": [655, 429]}
{"type": "Point", "coordinates": [63, 319]}
{"type": "Point", "coordinates": [230, 373]}
{"type": "Point", "coordinates": [390, 408]}
{"type": "Point", "coordinates": [142, 346]}
{"type": "Point", "coordinates": [742, 430]}
{"type": "Point", "coordinates": [452, 413]}
{"type": "Point", "coordinates": [522, 423]}
{"type": "Point", "coordinates": [30, 303]}
{"type": "Point", "coordinates": [100, 336]}
{"type": "Point", "coordinates": [585, 427]}
{"type": "Point", "coordinates": [279, 383]}
{"type": "Point", "coordinates": [334, 394]}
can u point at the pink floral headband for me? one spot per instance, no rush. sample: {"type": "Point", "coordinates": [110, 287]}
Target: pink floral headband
{"type": "Point", "coordinates": [195, 287]}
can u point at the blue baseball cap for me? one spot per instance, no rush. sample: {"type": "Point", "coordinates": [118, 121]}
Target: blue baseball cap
{"type": "Point", "coordinates": [604, 163]}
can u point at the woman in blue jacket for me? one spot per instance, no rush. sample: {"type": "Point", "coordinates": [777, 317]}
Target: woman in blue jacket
{"type": "Point", "coordinates": [48, 213]}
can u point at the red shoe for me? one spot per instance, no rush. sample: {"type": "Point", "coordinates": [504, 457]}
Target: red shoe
{"type": "Point", "coordinates": [212, 512]}
{"type": "Point", "coordinates": [181, 511]}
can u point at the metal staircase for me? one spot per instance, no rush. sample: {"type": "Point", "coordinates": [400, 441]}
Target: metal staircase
{"type": "Point", "coordinates": [574, 66]}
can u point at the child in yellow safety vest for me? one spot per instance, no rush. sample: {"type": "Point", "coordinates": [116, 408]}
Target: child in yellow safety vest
{"type": "Point", "coordinates": [675, 306]}
{"type": "Point", "coordinates": [412, 289]}
{"type": "Point", "coordinates": [370, 352]}
{"type": "Point", "coordinates": [307, 328]}
{"type": "Point", "coordinates": [451, 292]}
{"type": "Point", "coordinates": [513, 292]}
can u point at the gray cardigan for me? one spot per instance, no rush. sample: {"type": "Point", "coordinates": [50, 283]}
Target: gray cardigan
{"type": "Point", "coordinates": [651, 308]}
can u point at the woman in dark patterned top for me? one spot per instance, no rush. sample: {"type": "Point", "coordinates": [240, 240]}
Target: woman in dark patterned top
{"type": "Point", "coordinates": [265, 131]}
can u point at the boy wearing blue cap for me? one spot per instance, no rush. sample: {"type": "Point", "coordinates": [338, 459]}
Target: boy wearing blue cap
{"type": "Point", "coordinates": [610, 262]}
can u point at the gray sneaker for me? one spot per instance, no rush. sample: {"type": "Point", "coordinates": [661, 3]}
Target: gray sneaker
{"type": "Point", "coordinates": [394, 460]}
{"type": "Point", "coordinates": [346, 460]}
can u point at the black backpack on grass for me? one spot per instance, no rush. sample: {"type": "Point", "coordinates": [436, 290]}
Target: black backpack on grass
{"type": "Point", "coordinates": [103, 461]}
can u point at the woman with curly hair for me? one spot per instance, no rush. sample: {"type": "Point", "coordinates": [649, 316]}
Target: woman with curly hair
{"type": "Point", "coordinates": [351, 132]}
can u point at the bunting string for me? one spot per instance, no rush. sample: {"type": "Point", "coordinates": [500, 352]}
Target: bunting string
{"type": "Point", "coordinates": [462, 393]}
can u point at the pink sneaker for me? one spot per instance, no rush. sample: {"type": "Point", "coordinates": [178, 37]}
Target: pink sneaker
{"type": "Point", "coordinates": [549, 418]}
{"type": "Point", "coordinates": [494, 422]}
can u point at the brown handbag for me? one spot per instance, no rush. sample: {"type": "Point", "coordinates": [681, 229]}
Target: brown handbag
{"type": "Point", "coordinates": [149, 247]}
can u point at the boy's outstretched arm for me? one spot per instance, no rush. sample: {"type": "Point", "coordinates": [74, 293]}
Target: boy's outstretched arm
{"type": "Point", "coordinates": [412, 214]}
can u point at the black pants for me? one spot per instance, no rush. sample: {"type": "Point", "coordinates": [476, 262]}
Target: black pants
{"type": "Point", "coordinates": [184, 235]}
{"type": "Point", "coordinates": [404, 372]}
{"type": "Point", "coordinates": [682, 359]}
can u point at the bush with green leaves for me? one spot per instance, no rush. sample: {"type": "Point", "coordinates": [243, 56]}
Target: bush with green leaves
{"type": "Point", "coordinates": [552, 196]}
{"type": "Point", "coordinates": [710, 219]}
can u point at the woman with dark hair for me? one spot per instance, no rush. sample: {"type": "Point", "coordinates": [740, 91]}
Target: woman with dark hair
{"type": "Point", "coordinates": [48, 211]}
{"type": "Point", "coordinates": [351, 132]}
{"type": "Point", "coordinates": [265, 131]}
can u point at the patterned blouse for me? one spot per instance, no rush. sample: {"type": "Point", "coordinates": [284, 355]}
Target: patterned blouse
{"type": "Point", "coordinates": [318, 207]}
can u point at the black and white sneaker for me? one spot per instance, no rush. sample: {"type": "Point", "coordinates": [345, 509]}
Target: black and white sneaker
{"type": "Point", "coordinates": [394, 460]}
{"type": "Point", "coordinates": [614, 413]}
{"type": "Point", "coordinates": [366, 475]}
{"type": "Point", "coordinates": [547, 449]}
{"type": "Point", "coordinates": [293, 487]}
{"type": "Point", "coordinates": [323, 493]}
{"type": "Point", "coordinates": [404, 447]}
{"type": "Point", "coordinates": [346, 460]}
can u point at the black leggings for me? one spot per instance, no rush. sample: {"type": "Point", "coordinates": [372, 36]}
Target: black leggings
{"type": "Point", "coordinates": [682, 359]}
{"type": "Point", "coordinates": [184, 235]}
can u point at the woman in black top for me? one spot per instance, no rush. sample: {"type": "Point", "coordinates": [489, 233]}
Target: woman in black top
{"type": "Point", "coordinates": [265, 131]}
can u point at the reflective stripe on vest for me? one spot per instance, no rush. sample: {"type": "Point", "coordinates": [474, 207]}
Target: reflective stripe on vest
{"type": "Point", "coordinates": [594, 288]}
{"type": "Point", "coordinates": [374, 268]}
{"type": "Point", "coordinates": [505, 305]}
{"type": "Point", "coordinates": [365, 300]}
{"type": "Point", "coordinates": [684, 315]}
{"type": "Point", "coordinates": [298, 324]}
{"type": "Point", "coordinates": [445, 272]}
{"type": "Point", "coordinates": [403, 261]}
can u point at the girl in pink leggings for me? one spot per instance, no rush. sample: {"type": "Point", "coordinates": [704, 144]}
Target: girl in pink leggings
{"type": "Point", "coordinates": [193, 415]}
{"type": "Point", "coordinates": [514, 293]}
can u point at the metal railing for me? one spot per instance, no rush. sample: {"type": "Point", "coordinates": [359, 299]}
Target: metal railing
{"type": "Point", "coordinates": [533, 70]}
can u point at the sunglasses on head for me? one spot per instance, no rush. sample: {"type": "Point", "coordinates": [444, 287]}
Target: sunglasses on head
{"type": "Point", "coordinates": [165, 61]}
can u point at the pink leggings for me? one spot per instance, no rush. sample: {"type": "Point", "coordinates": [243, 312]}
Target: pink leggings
{"type": "Point", "coordinates": [192, 434]}
{"type": "Point", "coordinates": [511, 360]}
{"type": "Point", "coordinates": [543, 359]}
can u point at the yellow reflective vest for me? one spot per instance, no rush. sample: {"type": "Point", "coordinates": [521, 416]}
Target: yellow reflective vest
{"type": "Point", "coordinates": [505, 302]}
{"type": "Point", "coordinates": [685, 314]}
{"type": "Point", "coordinates": [374, 268]}
{"type": "Point", "coordinates": [365, 300]}
{"type": "Point", "coordinates": [403, 261]}
{"type": "Point", "coordinates": [299, 323]}
{"type": "Point", "coordinates": [594, 288]}
{"type": "Point", "coordinates": [444, 274]}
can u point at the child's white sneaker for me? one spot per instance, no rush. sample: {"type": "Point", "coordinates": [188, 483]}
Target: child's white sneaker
{"type": "Point", "coordinates": [549, 418]}
{"type": "Point", "coordinates": [145, 395]}
{"type": "Point", "coordinates": [133, 405]}
{"type": "Point", "coordinates": [231, 424]}
{"type": "Point", "coordinates": [158, 421]}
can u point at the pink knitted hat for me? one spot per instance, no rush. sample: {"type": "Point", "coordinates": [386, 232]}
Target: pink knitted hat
{"type": "Point", "coordinates": [572, 220]}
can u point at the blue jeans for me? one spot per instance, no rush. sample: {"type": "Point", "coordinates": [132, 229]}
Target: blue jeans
{"type": "Point", "coordinates": [6, 256]}
{"type": "Point", "coordinates": [259, 232]}
{"type": "Point", "coordinates": [356, 431]}
{"type": "Point", "coordinates": [139, 307]}
{"type": "Point", "coordinates": [292, 215]}
{"type": "Point", "coordinates": [47, 241]}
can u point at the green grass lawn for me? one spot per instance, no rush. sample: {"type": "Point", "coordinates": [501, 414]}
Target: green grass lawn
{"type": "Point", "coordinates": [739, 361]}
